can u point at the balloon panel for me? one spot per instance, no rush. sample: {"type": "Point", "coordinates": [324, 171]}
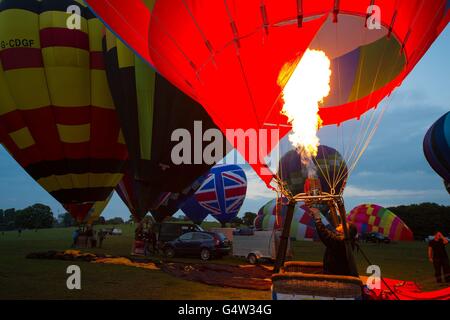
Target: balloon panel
{"type": "Point", "coordinates": [373, 218]}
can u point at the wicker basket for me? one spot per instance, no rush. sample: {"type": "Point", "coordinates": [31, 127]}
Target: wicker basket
{"type": "Point", "coordinates": [303, 267]}
{"type": "Point", "coordinates": [301, 286]}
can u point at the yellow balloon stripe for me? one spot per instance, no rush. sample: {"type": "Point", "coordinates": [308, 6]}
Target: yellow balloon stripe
{"type": "Point", "coordinates": [7, 103]}
{"type": "Point", "coordinates": [20, 24]}
{"type": "Point", "coordinates": [75, 133]}
{"type": "Point", "coordinates": [30, 94]}
{"type": "Point", "coordinates": [22, 138]}
{"type": "Point", "coordinates": [58, 19]}
{"type": "Point", "coordinates": [79, 181]}
{"type": "Point", "coordinates": [100, 94]}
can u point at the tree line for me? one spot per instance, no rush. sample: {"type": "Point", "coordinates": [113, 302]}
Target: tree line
{"type": "Point", "coordinates": [424, 219]}
{"type": "Point", "coordinates": [40, 216]}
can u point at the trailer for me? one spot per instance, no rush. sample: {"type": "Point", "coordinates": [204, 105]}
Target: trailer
{"type": "Point", "coordinates": [259, 246]}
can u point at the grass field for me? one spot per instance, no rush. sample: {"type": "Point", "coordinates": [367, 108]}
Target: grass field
{"type": "Point", "coordinates": [22, 278]}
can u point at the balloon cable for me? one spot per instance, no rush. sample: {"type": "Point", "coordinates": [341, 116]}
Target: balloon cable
{"type": "Point", "coordinates": [370, 263]}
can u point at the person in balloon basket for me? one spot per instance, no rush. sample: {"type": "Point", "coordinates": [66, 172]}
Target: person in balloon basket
{"type": "Point", "coordinates": [335, 259]}
{"type": "Point", "coordinates": [438, 257]}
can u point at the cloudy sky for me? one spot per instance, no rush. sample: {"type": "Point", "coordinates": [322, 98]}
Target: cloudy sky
{"type": "Point", "coordinates": [392, 171]}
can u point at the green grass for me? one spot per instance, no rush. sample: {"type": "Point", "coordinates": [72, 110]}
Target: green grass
{"type": "Point", "coordinates": [22, 278]}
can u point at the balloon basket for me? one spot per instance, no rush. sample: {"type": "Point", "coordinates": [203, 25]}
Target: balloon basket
{"type": "Point", "coordinates": [82, 242]}
{"type": "Point", "coordinates": [303, 267]}
{"type": "Point", "coordinates": [138, 248]}
{"type": "Point", "coordinates": [304, 286]}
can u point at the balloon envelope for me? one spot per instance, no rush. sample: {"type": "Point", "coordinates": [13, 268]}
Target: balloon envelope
{"type": "Point", "coordinates": [221, 194]}
{"type": "Point", "coordinates": [151, 111]}
{"type": "Point", "coordinates": [373, 218]}
{"type": "Point", "coordinates": [330, 168]}
{"type": "Point", "coordinates": [56, 110]}
{"type": "Point", "coordinates": [436, 146]}
{"type": "Point", "coordinates": [216, 51]}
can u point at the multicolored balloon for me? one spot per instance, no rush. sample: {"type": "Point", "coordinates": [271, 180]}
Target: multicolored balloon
{"type": "Point", "coordinates": [57, 115]}
{"type": "Point", "coordinates": [221, 195]}
{"type": "Point", "coordinates": [330, 168]}
{"type": "Point", "coordinates": [272, 214]}
{"type": "Point", "coordinates": [217, 52]}
{"type": "Point", "coordinates": [373, 218]}
{"type": "Point", "coordinates": [436, 146]}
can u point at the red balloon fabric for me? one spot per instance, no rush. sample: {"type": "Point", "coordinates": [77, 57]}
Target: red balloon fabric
{"type": "Point", "coordinates": [228, 54]}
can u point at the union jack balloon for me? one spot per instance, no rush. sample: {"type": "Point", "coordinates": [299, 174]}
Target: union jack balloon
{"type": "Point", "coordinates": [221, 195]}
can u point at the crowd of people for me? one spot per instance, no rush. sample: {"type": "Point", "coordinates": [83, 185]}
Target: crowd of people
{"type": "Point", "coordinates": [87, 237]}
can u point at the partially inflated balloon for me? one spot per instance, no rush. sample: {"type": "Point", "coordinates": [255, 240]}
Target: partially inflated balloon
{"type": "Point", "coordinates": [329, 167]}
{"type": "Point", "coordinates": [170, 202]}
{"type": "Point", "coordinates": [165, 205]}
{"type": "Point", "coordinates": [56, 110]}
{"type": "Point", "coordinates": [97, 210]}
{"type": "Point", "coordinates": [194, 211]}
{"type": "Point", "coordinates": [436, 146]}
{"type": "Point", "coordinates": [373, 218]}
{"type": "Point", "coordinates": [272, 214]}
{"type": "Point", "coordinates": [221, 195]}
{"type": "Point", "coordinates": [228, 54]}
{"type": "Point", "coordinates": [152, 112]}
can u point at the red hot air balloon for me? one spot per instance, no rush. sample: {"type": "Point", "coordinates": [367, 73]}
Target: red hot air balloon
{"type": "Point", "coordinates": [228, 54]}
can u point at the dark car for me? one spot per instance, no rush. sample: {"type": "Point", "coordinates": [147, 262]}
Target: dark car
{"type": "Point", "coordinates": [203, 244]}
{"type": "Point", "coordinates": [168, 231]}
{"type": "Point", "coordinates": [244, 232]}
{"type": "Point", "coordinates": [377, 237]}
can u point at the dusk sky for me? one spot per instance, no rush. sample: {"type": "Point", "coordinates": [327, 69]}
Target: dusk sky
{"type": "Point", "coordinates": [392, 171]}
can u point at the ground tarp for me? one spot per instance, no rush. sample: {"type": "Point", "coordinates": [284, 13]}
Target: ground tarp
{"type": "Point", "coordinates": [253, 277]}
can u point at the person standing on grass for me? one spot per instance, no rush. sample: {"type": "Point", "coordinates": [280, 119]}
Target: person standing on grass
{"type": "Point", "coordinates": [101, 236]}
{"type": "Point", "coordinates": [75, 235]}
{"type": "Point", "coordinates": [439, 258]}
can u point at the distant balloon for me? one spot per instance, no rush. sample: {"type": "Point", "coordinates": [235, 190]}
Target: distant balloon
{"type": "Point", "coordinates": [302, 227]}
{"type": "Point", "coordinates": [436, 146]}
{"type": "Point", "coordinates": [331, 170]}
{"type": "Point", "coordinates": [373, 218]}
{"type": "Point", "coordinates": [56, 111]}
{"type": "Point", "coordinates": [221, 195]}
